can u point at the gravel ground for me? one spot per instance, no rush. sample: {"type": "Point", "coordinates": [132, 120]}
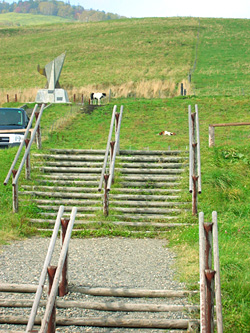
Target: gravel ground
{"type": "Point", "coordinates": [98, 262]}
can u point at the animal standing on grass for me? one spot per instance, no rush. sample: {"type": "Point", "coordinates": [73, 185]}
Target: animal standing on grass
{"type": "Point", "coordinates": [97, 96]}
{"type": "Point", "coordinates": [166, 133]}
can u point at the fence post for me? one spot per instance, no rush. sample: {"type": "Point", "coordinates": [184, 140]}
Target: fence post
{"type": "Point", "coordinates": [202, 274]}
{"type": "Point", "coordinates": [106, 196]}
{"type": "Point", "coordinates": [8, 99]}
{"type": "Point", "coordinates": [112, 144]}
{"type": "Point", "coordinates": [63, 285]}
{"type": "Point", "coordinates": [211, 136]}
{"type": "Point", "coordinates": [182, 89]}
{"type": "Point", "coordinates": [15, 97]}
{"type": "Point", "coordinates": [52, 320]}
{"type": "Point", "coordinates": [109, 95]}
{"type": "Point", "coordinates": [15, 193]}
{"type": "Point", "coordinates": [27, 164]}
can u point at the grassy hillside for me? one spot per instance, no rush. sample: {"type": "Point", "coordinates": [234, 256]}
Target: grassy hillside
{"type": "Point", "coordinates": [20, 19]}
{"type": "Point", "coordinates": [149, 55]}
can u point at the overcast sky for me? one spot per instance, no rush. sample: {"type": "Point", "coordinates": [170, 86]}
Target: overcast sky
{"type": "Point", "coordinates": [165, 8]}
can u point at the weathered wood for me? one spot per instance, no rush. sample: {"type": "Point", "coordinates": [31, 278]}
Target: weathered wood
{"type": "Point", "coordinates": [145, 197]}
{"type": "Point", "coordinates": [151, 178]}
{"type": "Point", "coordinates": [202, 240]}
{"type": "Point", "coordinates": [130, 292]}
{"type": "Point", "coordinates": [18, 288]}
{"type": "Point", "coordinates": [78, 151]}
{"type": "Point", "coordinates": [64, 194]}
{"type": "Point", "coordinates": [70, 170]}
{"type": "Point", "coordinates": [69, 208]}
{"type": "Point", "coordinates": [107, 306]}
{"type": "Point", "coordinates": [71, 157]}
{"type": "Point", "coordinates": [150, 184]}
{"type": "Point", "coordinates": [147, 203]}
{"type": "Point", "coordinates": [219, 319]}
{"type": "Point", "coordinates": [155, 165]}
{"type": "Point", "coordinates": [65, 202]}
{"type": "Point", "coordinates": [151, 171]}
{"type": "Point", "coordinates": [105, 322]}
{"type": "Point", "coordinates": [151, 152]}
{"type": "Point", "coordinates": [211, 136]}
{"type": "Point", "coordinates": [158, 159]}
{"type": "Point", "coordinates": [62, 176]}
{"type": "Point", "coordinates": [230, 124]}
{"type": "Point", "coordinates": [147, 210]}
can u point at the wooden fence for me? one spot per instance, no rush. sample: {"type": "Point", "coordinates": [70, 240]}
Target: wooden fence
{"type": "Point", "coordinates": [194, 157]}
{"type": "Point", "coordinates": [209, 277]}
{"type": "Point", "coordinates": [211, 131]}
{"type": "Point", "coordinates": [112, 149]}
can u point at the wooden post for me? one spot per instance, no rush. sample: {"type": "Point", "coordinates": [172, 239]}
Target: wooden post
{"type": "Point", "coordinates": [15, 97]}
{"type": "Point", "coordinates": [202, 274]}
{"type": "Point", "coordinates": [74, 98]}
{"type": "Point", "coordinates": [106, 196]}
{"type": "Point", "coordinates": [8, 99]}
{"type": "Point", "coordinates": [211, 136]}
{"type": "Point", "coordinates": [38, 134]}
{"type": "Point", "coordinates": [27, 164]}
{"type": "Point", "coordinates": [52, 320]}
{"type": "Point", "coordinates": [63, 285]}
{"type": "Point", "coordinates": [15, 193]}
{"type": "Point", "coordinates": [82, 99]}
{"type": "Point", "coordinates": [109, 95]}
{"type": "Point", "coordinates": [182, 89]}
{"type": "Point", "coordinates": [217, 274]}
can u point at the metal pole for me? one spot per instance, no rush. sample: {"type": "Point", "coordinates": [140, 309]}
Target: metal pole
{"type": "Point", "coordinates": [106, 197]}
{"type": "Point", "coordinates": [15, 193]}
{"type": "Point", "coordinates": [198, 148]}
{"type": "Point", "coordinates": [190, 149]}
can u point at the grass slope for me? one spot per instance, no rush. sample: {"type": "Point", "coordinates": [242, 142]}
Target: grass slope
{"type": "Point", "coordinates": [20, 19]}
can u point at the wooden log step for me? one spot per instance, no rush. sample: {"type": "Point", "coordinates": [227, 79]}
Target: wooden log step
{"type": "Point", "coordinates": [66, 214]}
{"type": "Point", "coordinates": [150, 178]}
{"type": "Point", "coordinates": [145, 218]}
{"type": "Point", "coordinates": [69, 208]}
{"type": "Point", "coordinates": [103, 322]}
{"type": "Point", "coordinates": [107, 306]}
{"type": "Point", "coordinates": [146, 197]}
{"type": "Point", "coordinates": [64, 194]}
{"type": "Point", "coordinates": [155, 165]}
{"type": "Point", "coordinates": [119, 223]}
{"type": "Point", "coordinates": [70, 182]}
{"type": "Point", "coordinates": [157, 159]}
{"type": "Point", "coordinates": [75, 164]}
{"type": "Point", "coordinates": [78, 151]}
{"type": "Point", "coordinates": [147, 210]}
{"type": "Point", "coordinates": [151, 171]}
{"type": "Point", "coordinates": [98, 291]}
{"type": "Point", "coordinates": [150, 184]}
{"type": "Point", "coordinates": [59, 188]}
{"type": "Point", "coordinates": [73, 177]}
{"type": "Point", "coordinates": [131, 203]}
{"type": "Point", "coordinates": [66, 202]}
{"type": "Point", "coordinates": [71, 170]}
{"type": "Point", "coordinates": [151, 152]}
{"type": "Point", "coordinates": [148, 191]}
{"type": "Point", "coordinates": [71, 157]}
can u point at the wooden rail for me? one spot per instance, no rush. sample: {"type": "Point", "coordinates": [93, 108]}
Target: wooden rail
{"type": "Point", "coordinates": [209, 277]}
{"type": "Point", "coordinates": [211, 130]}
{"type": "Point", "coordinates": [112, 149]}
{"type": "Point", "coordinates": [55, 273]}
{"type": "Point", "coordinates": [194, 157]}
{"type": "Point", "coordinates": [26, 157]}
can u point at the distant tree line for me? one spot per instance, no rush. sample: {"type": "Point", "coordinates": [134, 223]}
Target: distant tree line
{"type": "Point", "coordinates": [56, 8]}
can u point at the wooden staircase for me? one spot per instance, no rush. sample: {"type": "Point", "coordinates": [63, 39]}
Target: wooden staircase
{"type": "Point", "coordinates": [146, 192]}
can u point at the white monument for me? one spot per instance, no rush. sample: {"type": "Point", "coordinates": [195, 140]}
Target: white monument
{"type": "Point", "coordinates": [53, 93]}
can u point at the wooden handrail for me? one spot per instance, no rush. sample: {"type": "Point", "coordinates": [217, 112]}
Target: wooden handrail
{"type": "Point", "coordinates": [107, 148]}
{"type": "Point", "coordinates": [115, 150]}
{"type": "Point", "coordinates": [44, 270]}
{"type": "Point", "coordinates": [21, 145]}
{"type": "Point", "coordinates": [209, 277]}
{"type": "Point", "coordinates": [54, 288]}
{"type": "Point", "coordinates": [194, 157]}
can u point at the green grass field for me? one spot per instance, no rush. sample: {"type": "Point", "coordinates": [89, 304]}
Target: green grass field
{"type": "Point", "coordinates": [153, 50]}
{"type": "Point", "coordinates": [20, 19]}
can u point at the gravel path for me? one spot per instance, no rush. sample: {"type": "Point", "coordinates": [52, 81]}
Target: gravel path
{"type": "Point", "coordinates": [98, 262]}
